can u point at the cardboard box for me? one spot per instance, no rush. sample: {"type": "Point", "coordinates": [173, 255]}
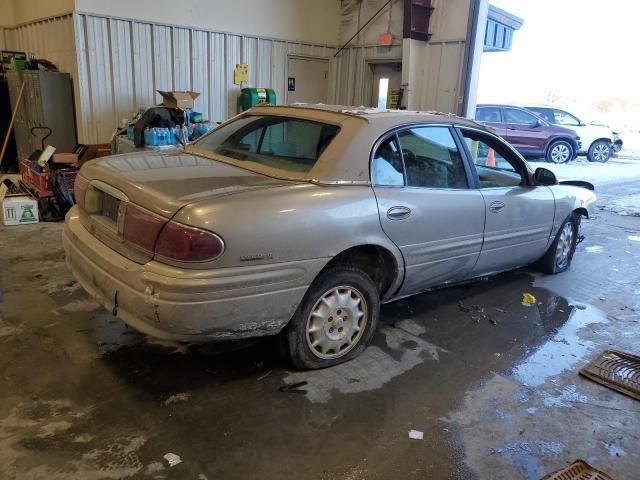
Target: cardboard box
{"type": "Point", "coordinates": [175, 99]}
{"type": "Point", "coordinates": [65, 158]}
{"type": "Point", "coordinates": [17, 209]}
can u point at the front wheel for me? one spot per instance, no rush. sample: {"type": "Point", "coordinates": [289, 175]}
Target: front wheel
{"type": "Point", "coordinates": [558, 257]}
{"type": "Point", "coordinates": [336, 319]}
{"type": "Point", "coordinates": [600, 151]}
{"type": "Point", "coordinates": [559, 151]}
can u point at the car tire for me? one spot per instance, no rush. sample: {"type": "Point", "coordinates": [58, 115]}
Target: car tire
{"type": "Point", "coordinates": [335, 320]}
{"type": "Point", "coordinates": [559, 151]}
{"type": "Point", "coordinates": [599, 151]}
{"type": "Point", "coordinates": [559, 255]}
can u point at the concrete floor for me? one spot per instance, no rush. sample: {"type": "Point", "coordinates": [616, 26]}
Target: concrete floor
{"type": "Point", "coordinates": [83, 397]}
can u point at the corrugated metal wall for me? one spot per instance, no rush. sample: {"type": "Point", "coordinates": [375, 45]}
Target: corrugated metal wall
{"type": "Point", "coordinates": [121, 64]}
{"type": "Point", "coordinates": [353, 77]}
{"type": "Point", "coordinates": [437, 84]}
{"type": "Point", "coordinates": [51, 39]}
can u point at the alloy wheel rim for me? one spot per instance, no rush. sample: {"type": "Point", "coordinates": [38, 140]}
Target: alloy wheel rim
{"type": "Point", "coordinates": [337, 322]}
{"type": "Point", "coordinates": [600, 153]}
{"type": "Point", "coordinates": [565, 244]}
{"type": "Point", "coordinates": [560, 153]}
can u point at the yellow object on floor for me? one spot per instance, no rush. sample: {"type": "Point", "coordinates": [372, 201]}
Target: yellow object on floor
{"type": "Point", "coordinates": [528, 299]}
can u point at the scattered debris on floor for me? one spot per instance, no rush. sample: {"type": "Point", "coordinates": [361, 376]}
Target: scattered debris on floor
{"type": "Point", "coordinates": [262, 377]}
{"type": "Point", "coordinates": [416, 435]}
{"type": "Point", "coordinates": [528, 300]}
{"type": "Point", "coordinates": [178, 397]}
{"type": "Point", "coordinates": [172, 459]}
{"type": "Point", "coordinates": [294, 388]}
{"type": "Point", "coordinates": [616, 370]}
{"type": "Point", "coordinates": [578, 470]}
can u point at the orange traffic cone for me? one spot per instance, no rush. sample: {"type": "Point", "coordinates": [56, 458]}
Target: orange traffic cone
{"type": "Point", "coordinates": [491, 158]}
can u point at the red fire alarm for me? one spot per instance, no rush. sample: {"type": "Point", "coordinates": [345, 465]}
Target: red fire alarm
{"type": "Point", "coordinates": [385, 40]}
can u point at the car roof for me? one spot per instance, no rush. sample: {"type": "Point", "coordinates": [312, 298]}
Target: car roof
{"type": "Point", "coordinates": [389, 117]}
{"type": "Point", "coordinates": [346, 159]}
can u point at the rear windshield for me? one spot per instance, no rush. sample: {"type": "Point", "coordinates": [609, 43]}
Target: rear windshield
{"type": "Point", "coordinates": [278, 142]}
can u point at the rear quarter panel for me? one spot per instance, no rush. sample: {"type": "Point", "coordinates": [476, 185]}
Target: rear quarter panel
{"type": "Point", "coordinates": [291, 223]}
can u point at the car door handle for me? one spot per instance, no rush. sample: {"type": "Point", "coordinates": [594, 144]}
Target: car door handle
{"type": "Point", "coordinates": [398, 213]}
{"type": "Point", "coordinates": [495, 207]}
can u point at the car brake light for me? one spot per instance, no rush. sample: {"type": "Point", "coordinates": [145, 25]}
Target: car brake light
{"type": "Point", "coordinates": [188, 244]}
{"type": "Point", "coordinates": [142, 228]}
{"type": "Point", "coordinates": [80, 187]}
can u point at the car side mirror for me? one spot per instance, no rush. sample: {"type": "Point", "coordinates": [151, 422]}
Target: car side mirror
{"type": "Point", "coordinates": [538, 124]}
{"type": "Point", "coordinates": [544, 177]}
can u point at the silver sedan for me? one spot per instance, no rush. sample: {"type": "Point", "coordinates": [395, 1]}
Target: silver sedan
{"type": "Point", "coordinates": [302, 220]}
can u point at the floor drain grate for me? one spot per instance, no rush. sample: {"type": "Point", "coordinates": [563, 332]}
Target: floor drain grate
{"type": "Point", "coordinates": [578, 470]}
{"type": "Point", "coordinates": [617, 370]}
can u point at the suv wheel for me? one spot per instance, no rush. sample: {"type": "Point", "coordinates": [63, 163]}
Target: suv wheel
{"type": "Point", "coordinates": [600, 151]}
{"type": "Point", "coordinates": [335, 321]}
{"type": "Point", "coordinates": [559, 151]}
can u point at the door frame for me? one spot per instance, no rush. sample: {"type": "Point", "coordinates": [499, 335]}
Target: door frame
{"type": "Point", "coordinates": [295, 56]}
{"type": "Point", "coordinates": [371, 62]}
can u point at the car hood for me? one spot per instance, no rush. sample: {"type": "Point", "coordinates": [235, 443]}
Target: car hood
{"type": "Point", "coordinates": [165, 182]}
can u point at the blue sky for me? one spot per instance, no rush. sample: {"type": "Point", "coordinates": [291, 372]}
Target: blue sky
{"type": "Point", "coordinates": [583, 50]}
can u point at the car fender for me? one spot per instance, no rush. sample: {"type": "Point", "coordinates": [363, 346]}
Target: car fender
{"type": "Point", "coordinates": [569, 199]}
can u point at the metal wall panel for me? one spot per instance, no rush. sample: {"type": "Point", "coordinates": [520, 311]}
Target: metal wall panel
{"type": "Point", "coordinates": [118, 64]}
{"type": "Point", "coordinates": [124, 94]}
{"type": "Point", "coordinates": [200, 70]}
{"type": "Point", "coordinates": [162, 59]}
{"type": "Point", "coordinates": [181, 55]}
{"type": "Point", "coordinates": [142, 61]}
{"type": "Point", "coordinates": [233, 56]}
{"type": "Point", "coordinates": [218, 77]}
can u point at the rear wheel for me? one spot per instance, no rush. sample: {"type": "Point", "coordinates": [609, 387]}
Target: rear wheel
{"type": "Point", "coordinates": [559, 151]}
{"type": "Point", "coordinates": [558, 257]}
{"type": "Point", "coordinates": [335, 321]}
{"type": "Point", "coordinates": [600, 151]}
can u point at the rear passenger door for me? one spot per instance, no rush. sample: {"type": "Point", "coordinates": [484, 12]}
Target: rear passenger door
{"type": "Point", "coordinates": [426, 205]}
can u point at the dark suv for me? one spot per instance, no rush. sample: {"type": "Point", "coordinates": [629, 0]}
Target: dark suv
{"type": "Point", "coordinates": [532, 136]}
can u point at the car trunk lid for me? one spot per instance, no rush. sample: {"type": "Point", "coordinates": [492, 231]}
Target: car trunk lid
{"type": "Point", "coordinates": [158, 185]}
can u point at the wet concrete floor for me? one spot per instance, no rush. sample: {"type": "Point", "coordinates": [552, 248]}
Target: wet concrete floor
{"type": "Point", "coordinates": [493, 384]}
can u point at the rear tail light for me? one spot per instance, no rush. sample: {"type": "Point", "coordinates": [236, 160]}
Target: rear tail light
{"type": "Point", "coordinates": [188, 244]}
{"type": "Point", "coordinates": [80, 190]}
{"type": "Point", "coordinates": [142, 228]}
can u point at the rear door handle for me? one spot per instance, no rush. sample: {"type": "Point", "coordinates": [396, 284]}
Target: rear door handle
{"type": "Point", "coordinates": [495, 207]}
{"type": "Point", "coordinates": [398, 213]}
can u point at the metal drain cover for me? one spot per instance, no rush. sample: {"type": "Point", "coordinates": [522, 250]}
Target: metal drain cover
{"type": "Point", "coordinates": [617, 370]}
{"type": "Point", "coordinates": [578, 470]}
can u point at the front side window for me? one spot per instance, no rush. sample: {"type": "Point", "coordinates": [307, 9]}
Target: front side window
{"type": "Point", "coordinates": [564, 118]}
{"type": "Point", "coordinates": [278, 142]}
{"type": "Point", "coordinates": [431, 158]}
{"type": "Point", "coordinates": [496, 166]}
{"type": "Point", "coordinates": [513, 115]}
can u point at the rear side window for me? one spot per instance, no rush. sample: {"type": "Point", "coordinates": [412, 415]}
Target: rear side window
{"type": "Point", "coordinates": [279, 142]}
{"type": "Point", "coordinates": [545, 113]}
{"type": "Point", "coordinates": [488, 114]}
{"type": "Point", "coordinates": [513, 115]}
{"type": "Point", "coordinates": [425, 157]}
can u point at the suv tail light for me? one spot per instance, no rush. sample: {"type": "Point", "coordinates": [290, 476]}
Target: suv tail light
{"type": "Point", "coordinates": [80, 187]}
{"type": "Point", "coordinates": [142, 228]}
{"type": "Point", "coordinates": [188, 244]}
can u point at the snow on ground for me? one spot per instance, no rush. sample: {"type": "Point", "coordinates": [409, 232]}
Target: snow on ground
{"type": "Point", "coordinates": [628, 206]}
{"type": "Point", "coordinates": [618, 169]}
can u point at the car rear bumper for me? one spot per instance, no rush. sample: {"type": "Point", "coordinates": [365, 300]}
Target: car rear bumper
{"type": "Point", "coordinates": [187, 305]}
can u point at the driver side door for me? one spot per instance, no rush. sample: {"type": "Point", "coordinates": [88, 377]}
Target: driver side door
{"type": "Point", "coordinates": [518, 215]}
